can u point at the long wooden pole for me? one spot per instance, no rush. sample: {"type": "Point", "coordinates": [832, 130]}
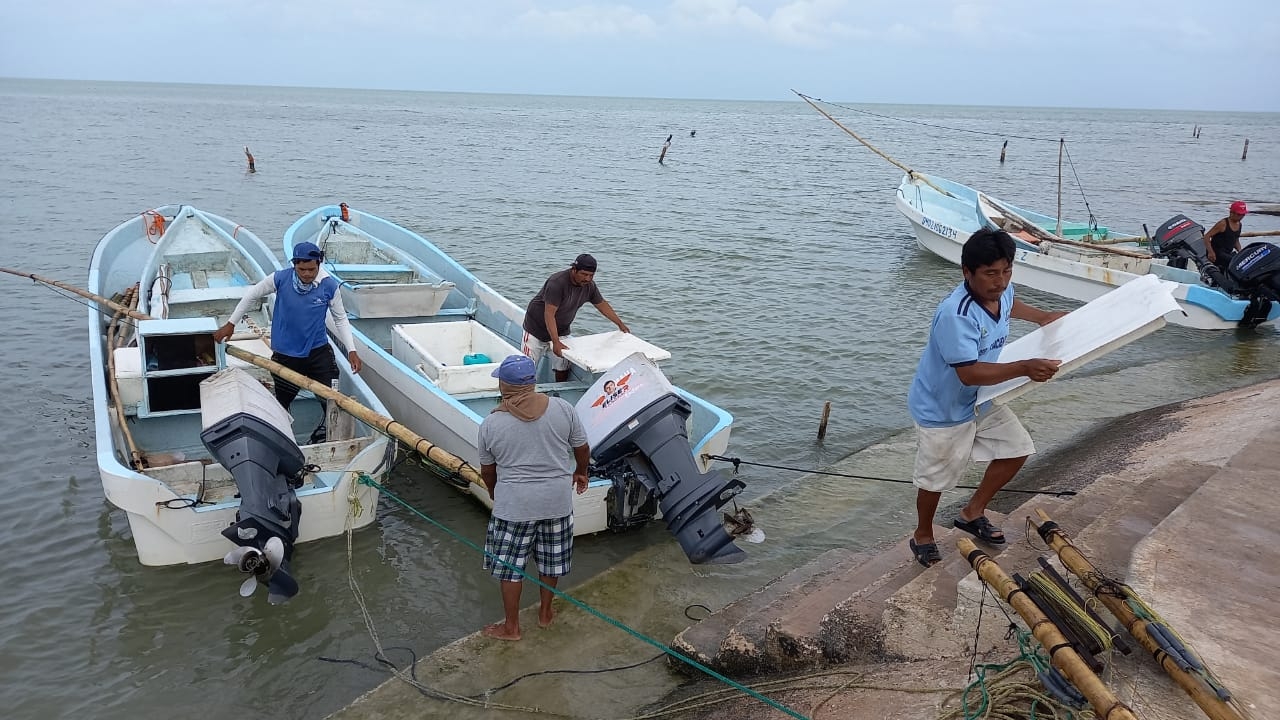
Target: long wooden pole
{"type": "Point", "coordinates": [1061, 654]}
{"type": "Point", "coordinates": [1062, 144]}
{"type": "Point", "coordinates": [914, 175]}
{"type": "Point", "coordinates": [1044, 235]}
{"type": "Point", "coordinates": [1213, 706]}
{"type": "Point", "coordinates": [383, 424]}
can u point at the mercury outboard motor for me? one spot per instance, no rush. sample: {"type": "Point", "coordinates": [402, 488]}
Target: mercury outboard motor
{"type": "Point", "coordinates": [635, 425]}
{"type": "Point", "coordinates": [243, 433]}
{"type": "Point", "coordinates": [1252, 274]}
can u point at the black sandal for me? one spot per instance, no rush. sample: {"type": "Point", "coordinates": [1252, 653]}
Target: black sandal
{"type": "Point", "coordinates": [926, 554]}
{"type": "Point", "coordinates": [982, 529]}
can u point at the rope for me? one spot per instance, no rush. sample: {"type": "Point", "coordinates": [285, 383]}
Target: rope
{"type": "Point", "coordinates": [1070, 611]}
{"type": "Point", "coordinates": [739, 461]}
{"type": "Point", "coordinates": [365, 479]}
{"type": "Point", "coordinates": [932, 125]}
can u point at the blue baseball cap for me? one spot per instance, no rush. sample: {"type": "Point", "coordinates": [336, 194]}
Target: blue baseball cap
{"type": "Point", "coordinates": [516, 370]}
{"type": "Point", "coordinates": [307, 251]}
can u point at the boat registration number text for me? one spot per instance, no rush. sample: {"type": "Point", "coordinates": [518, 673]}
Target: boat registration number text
{"type": "Point", "coordinates": [943, 230]}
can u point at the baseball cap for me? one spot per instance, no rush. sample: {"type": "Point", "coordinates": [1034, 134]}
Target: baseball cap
{"type": "Point", "coordinates": [516, 370]}
{"type": "Point", "coordinates": [585, 263]}
{"type": "Point", "coordinates": [1238, 207]}
{"type": "Point", "coordinates": [307, 251]}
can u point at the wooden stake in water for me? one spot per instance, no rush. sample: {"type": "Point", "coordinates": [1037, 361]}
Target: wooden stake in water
{"type": "Point", "coordinates": [1003, 147]}
{"type": "Point", "coordinates": [1245, 154]}
{"type": "Point", "coordinates": [826, 414]}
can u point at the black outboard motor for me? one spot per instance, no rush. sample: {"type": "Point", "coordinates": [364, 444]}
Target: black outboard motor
{"type": "Point", "coordinates": [1253, 274]}
{"type": "Point", "coordinates": [264, 464]}
{"type": "Point", "coordinates": [636, 426]}
{"type": "Point", "coordinates": [244, 432]}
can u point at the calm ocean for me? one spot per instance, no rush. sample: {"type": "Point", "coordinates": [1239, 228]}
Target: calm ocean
{"type": "Point", "coordinates": [766, 255]}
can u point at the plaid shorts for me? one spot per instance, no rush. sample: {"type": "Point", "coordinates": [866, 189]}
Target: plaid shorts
{"type": "Point", "coordinates": [510, 542]}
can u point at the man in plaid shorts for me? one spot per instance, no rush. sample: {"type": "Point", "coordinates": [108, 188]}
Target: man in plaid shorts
{"type": "Point", "coordinates": [533, 454]}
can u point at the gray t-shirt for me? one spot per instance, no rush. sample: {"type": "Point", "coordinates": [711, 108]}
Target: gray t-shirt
{"type": "Point", "coordinates": [560, 291]}
{"type": "Point", "coordinates": [535, 461]}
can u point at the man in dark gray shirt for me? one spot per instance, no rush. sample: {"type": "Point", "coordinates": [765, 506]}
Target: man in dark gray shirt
{"type": "Point", "coordinates": [552, 310]}
{"type": "Point", "coordinates": [533, 454]}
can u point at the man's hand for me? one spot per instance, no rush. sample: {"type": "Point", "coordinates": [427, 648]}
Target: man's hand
{"type": "Point", "coordinates": [623, 327]}
{"type": "Point", "coordinates": [1040, 369]}
{"type": "Point", "coordinates": [354, 359]}
{"type": "Point", "coordinates": [557, 346]}
{"type": "Point", "coordinates": [224, 333]}
{"type": "Point", "coordinates": [580, 481]}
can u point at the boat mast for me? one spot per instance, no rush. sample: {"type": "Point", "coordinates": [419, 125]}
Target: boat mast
{"type": "Point", "coordinates": [1062, 142]}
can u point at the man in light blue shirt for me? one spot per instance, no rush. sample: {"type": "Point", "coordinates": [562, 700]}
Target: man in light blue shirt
{"type": "Point", "coordinates": [969, 328]}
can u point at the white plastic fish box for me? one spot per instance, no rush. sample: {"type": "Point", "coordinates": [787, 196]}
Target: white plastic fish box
{"type": "Point", "coordinates": [235, 391]}
{"type": "Point", "coordinates": [437, 350]}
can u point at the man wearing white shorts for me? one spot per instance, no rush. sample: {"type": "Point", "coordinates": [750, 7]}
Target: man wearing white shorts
{"type": "Point", "coordinates": [551, 312]}
{"type": "Point", "coordinates": [969, 328]}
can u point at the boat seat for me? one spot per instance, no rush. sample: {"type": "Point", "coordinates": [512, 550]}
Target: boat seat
{"type": "Point", "coordinates": [194, 295]}
{"type": "Point", "coordinates": [366, 268]}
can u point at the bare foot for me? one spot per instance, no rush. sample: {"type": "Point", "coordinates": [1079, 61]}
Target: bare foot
{"type": "Point", "coordinates": [498, 631]}
{"type": "Point", "coordinates": [545, 620]}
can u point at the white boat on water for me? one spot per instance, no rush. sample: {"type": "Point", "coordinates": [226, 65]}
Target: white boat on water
{"type": "Point", "coordinates": [159, 384]}
{"type": "Point", "coordinates": [1082, 262]}
{"type": "Point", "coordinates": [435, 334]}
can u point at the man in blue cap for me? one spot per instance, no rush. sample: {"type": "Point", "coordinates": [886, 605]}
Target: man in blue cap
{"type": "Point", "coordinates": [533, 454]}
{"type": "Point", "coordinates": [305, 294]}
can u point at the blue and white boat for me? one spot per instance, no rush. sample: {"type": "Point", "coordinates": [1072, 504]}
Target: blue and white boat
{"type": "Point", "coordinates": [431, 365]}
{"type": "Point", "coordinates": [1073, 260]}
{"type": "Point", "coordinates": [152, 391]}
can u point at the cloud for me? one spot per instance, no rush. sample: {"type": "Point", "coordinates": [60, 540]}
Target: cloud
{"type": "Point", "coordinates": [812, 23]}
{"type": "Point", "coordinates": [588, 20]}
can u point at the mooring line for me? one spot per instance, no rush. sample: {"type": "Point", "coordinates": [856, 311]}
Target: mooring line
{"type": "Point", "coordinates": [584, 606]}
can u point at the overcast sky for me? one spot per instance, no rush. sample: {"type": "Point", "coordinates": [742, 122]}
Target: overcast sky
{"type": "Point", "coordinates": [1194, 54]}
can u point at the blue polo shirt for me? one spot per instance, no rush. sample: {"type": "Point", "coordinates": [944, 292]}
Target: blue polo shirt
{"type": "Point", "coordinates": [963, 333]}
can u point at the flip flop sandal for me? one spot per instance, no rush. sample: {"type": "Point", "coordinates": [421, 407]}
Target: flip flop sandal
{"type": "Point", "coordinates": [926, 554]}
{"type": "Point", "coordinates": [982, 529]}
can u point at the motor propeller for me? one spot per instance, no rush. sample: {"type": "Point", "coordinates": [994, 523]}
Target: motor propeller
{"type": "Point", "coordinates": [265, 567]}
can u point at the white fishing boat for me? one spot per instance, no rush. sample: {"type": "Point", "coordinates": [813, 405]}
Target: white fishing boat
{"type": "Point", "coordinates": [165, 395]}
{"type": "Point", "coordinates": [1083, 262]}
{"type": "Point", "coordinates": [432, 365]}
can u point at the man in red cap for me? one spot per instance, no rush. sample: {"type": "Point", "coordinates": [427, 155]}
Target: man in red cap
{"type": "Point", "coordinates": [1222, 242]}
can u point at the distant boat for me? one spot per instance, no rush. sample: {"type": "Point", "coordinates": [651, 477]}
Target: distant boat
{"type": "Point", "coordinates": [436, 333]}
{"type": "Point", "coordinates": [165, 397]}
{"type": "Point", "coordinates": [1081, 263]}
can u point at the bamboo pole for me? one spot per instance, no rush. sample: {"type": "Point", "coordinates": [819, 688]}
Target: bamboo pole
{"type": "Point", "coordinates": [912, 173]}
{"type": "Point", "coordinates": [1061, 654]}
{"type": "Point", "coordinates": [137, 461]}
{"type": "Point", "coordinates": [1045, 236]}
{"type": "Point", "coordinates": [1062, 144]}
{"type": "Point", "coordinates": [383, 424]}
{"type": "Point", "coordinates": [1075, 561]}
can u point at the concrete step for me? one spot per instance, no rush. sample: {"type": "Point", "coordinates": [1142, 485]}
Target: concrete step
{"type": "Point", "coordinates": [717, 640]}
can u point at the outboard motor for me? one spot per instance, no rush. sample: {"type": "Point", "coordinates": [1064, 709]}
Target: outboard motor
{"type": "Point", "coordinates": [250, 435]}
{"type": "Point", "coordinates": [635, 424]}
{"type": "Point", "coordinates": [1253, 274]}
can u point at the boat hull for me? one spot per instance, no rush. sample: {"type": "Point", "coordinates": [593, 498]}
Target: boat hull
{"type": "Point", "coordinates": [167, 527]}
{"type": "Point", "coordinates": [423, 407]}
{"type": "Point", "coordinates": [1200, 307]}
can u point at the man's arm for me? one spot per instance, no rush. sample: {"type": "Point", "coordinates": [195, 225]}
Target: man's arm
{"type": "Point", "coordinates": [342, 328]}
{"type": "Point", "coordinates": [1023, 311]}
{"type": "Point", "coordinates": [581, 455]}
{"type": "Point", "coordinates": [607, 310]}
{"type": "Point", "coordinates": [256, 292]}
{"type": "Point", "coordinates": [1208, 246]}
{"type": "Point", "coordinates": [985, 373]}
{"type": "Point", "coordinates": [549, 319]}
{"type": "Point", "coordinates": [489, 474]}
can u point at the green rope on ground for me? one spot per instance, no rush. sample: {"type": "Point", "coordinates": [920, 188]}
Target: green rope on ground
{"type": "Point", "coordinates": [1012, 691]}
{"type": "Point", "coordinates": [365, 479]}
{"type": "Point", "coordinates": [1075, 616]}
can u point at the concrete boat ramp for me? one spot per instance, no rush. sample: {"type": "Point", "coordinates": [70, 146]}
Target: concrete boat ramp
{"type": "Point", "coordinates": [1180, 502]}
